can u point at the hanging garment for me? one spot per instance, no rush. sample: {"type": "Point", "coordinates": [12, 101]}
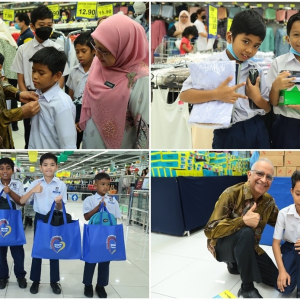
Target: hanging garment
{"type": "Point", "coordinates": [268, 44]}
{"type": "Point", "coordinates": [167, 11]}
{"type": "Point", "coordinates": [291, 12]}
{"type": "Point", "coordinates": [124, 9]}
{"type": "Point", "coordinates": [280, 15]}
{"type": "Point", "coordinates": [155, 9]}
{"type": "Point", "coordinates": [169, 123]}
{"type": "Point", "coordinates": [259, 10]}
{"type": "Point", "coordinates": [222, 13]}
{"type": "Point", "coordinates": [158, 31]}
{"type": "Point", "coordinates": [270, 14]}
{"type": "Point", "coordinates": [233, 11]}
{"type": "Point", "coordinates": [180, 8]}
{"type": "Point", "coordinates": [281, 44]}
{"type": "Point", "coordinates": [193, 9]}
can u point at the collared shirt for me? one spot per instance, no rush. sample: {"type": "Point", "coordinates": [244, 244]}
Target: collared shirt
{"type": "Point", "coordinates": [21, 62]}
{"type": "Point", "coordinates": [53, 127]}
{"type": "Point", "coordinates": [112, 205]}
{"type": "Point", "coordinates": [287, 62]}
{"type": "Point", "coordinates": [25, 37]}
{"type": "Point", "coordinates": [242, 111]}
{"type": "Point", "coordinates": [288, 225]}
{"type": "Point", "coordinates": [44, 200]}
{"type": "Point", "coordinates": [16, 186]}
{"type": "Point", "coordinates": [76, 82]}
{"type": "Point", "coordinates": [232, 205]}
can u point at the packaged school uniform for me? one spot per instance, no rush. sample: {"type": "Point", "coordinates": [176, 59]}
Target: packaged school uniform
{"type": "Point", "coordinates": [112, 206]}
{"type": "Point", "coordinates": [42, 205]}
{"type": "Point", "coordinates": [286, 129]}
{"type": "Point", "coordinates": [17, 252]}
{"type": "Point", "coordinates": [248, 130]}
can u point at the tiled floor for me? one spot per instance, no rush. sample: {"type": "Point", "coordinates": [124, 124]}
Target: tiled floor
{"type": "Point", "coordinates": [182, 267]}
{"type": "Point", "coordinates": [128, 279]}
{"type": "Point", "coordinates": [18, 136]}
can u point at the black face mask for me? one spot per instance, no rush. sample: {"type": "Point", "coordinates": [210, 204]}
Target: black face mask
{"type": "Point", "coordinates": [43, 32]}
{"type": "Point", "coordinates": [203, 17]}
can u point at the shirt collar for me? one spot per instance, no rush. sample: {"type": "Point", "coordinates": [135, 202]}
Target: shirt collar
{"type": "Point", "coordinates": [55, 179]}
{"type": "Point", "coordinates": [11, 180]}
{"type": "Point", "coordinates": [80, 68]}
{"type": "Point", "coordinates": [36, 43]}
{"type": "Point", "coordinates": [244, 64]}
{"type": "Point", "coordinates": [293, 211]}
{"type": "Point", "coordinates": [291, 57]}
{"type": "Point", "coordinates": [25, 31]}
{"type": "Point", "coordinates": [50, 93]}
{"type": "Point", "coordinates": [100, 197]}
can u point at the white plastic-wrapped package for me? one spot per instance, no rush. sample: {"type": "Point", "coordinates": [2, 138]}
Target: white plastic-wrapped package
{"type": "Point", "coordinates": [208, 76]}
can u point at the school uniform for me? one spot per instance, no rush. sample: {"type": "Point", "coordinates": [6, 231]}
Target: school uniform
{"type": "Point", "coordinates": [286, 129]}
{"type": "Point", "coordinates": [42, 205]}
{"type": "Point", "coordinates": [287, 229]}
{"type": "Point", "coordinates": [17, 252]}
{"type": "Point", "coordinates": [103, 268]}
{"type": "Point", "coordinates": [248, 130]}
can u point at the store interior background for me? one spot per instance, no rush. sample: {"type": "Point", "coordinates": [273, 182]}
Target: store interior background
{"type": "Point", "coordinates": [128, 279]}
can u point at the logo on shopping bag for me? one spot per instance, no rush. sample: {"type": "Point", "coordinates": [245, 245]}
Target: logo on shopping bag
{"type": "Point", "coordinates": [56, 243]}
{"type": "Point", "coordinates": [5, 229]}
{"type": "Point", "coordinates": [111, 244]}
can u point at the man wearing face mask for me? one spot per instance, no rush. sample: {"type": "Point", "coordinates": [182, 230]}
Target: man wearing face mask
{"type": "Point", "coordinates": [41, 23]}
{"type": "Point", "coordinates": [202, 39]}
{"type": "Point", "coordinates": [22, 23]}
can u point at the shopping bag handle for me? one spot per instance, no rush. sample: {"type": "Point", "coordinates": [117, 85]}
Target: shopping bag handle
{"type": "Point", "coordinates": [52, 211]}
{"type": "Point", "coordinates": [101, 210]}
{"type": "Point", "coordinates": [7, 198]}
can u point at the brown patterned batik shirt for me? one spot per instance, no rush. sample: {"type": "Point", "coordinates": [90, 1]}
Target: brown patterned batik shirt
{"type": "Point", "coordinates": [232, 205]}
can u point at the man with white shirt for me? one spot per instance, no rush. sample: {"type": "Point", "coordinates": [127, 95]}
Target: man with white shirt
{"type": "Point", "coordinates": [201, 42]}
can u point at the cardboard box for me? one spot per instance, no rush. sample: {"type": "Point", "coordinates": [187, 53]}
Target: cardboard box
{"type": "Point", "coordinates": [280, 171]}
{"type": "Point", "coordinates": [291, 153]}
{"type": "Point", "coordinates": [271, 153]}
{"type": "Point", "coordinates": [290, 171]}
{"type": "Point", "coordinates": [292, 161]}
{"type": "Point", "coordinates": [277, 160]}
{"type": "Point", "coordinates": [275, 171]}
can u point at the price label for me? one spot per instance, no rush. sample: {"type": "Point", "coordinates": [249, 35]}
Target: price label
{"type": "Point", "coordinates": [259, 5]}
{"type": "Point", "coordinates": [281, 6]}
{"type": "Point", "coordinates": [292, 5]}
{"type": "Point", "coordinates": [229, 22]}
{"type": "Point", "coordinates": [86, 10]}
{"type": "Point", "coordinates": [9, 15]}
{"type": "Point", "coordinates": [270, 5]}
{"type": "Point", "coordinates": [220, 3]}
{"type": "Point", "coordinates": [55, 10]}
{"type": "Point", "coordinates": [212, 21]}
{"type": "Point", "coordinates": [246, 4]}
{"type": "Point", "coordinates": [235, 3]}
{"type": "Point", "coordinates": [105, 10]}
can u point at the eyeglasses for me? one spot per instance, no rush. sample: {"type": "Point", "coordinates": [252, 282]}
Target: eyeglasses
{"type": "Point", "coordinates": [103, 53]}
{"type": "Point", "coordinates": [262, 174]}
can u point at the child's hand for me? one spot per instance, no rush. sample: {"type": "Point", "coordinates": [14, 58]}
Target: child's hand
{"type": "Point", "coordinates": [58, 199]}
{"type": "Point", "coordinates": [102, 201]}
{"type": "Point", "coordinates": [283, 280]}
{"type": "Point", "coordinates": [38, 188]}
{"type": "Point", "coordinates": [228, 94]}
{"type": "Point", "coordinates": [282, 82]}
{"type": "Point", "coordinates": [253, 91]}
{"type": "Point", "coordinates": [6, 189]}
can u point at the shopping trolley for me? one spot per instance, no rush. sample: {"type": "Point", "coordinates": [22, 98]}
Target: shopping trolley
{"type": "Point", "coordinates": [166, 48]}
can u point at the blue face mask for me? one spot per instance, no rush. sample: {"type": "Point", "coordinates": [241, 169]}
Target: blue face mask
{"type": "Point", "coordinates": [17, 26]}
{"type": "Point", "coordinates": [230, 49]}
{"type": "Point", "coordinates": [294, 51]}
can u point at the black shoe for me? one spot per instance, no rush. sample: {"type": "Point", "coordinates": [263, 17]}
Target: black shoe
{"type": "Point", "coordinates": [232, 268]}
{"type": "Point", "coordinates": [249, 294]}
{"type": "Point", "coordinates": [34, 289]}
{"type": "Point", "coordinates": [3, 283]}
{"type": "Point", "coordinates": [56, 288]}
{"type": "Point", "coordinates": [22, 283]}
{"type": "Point", "coordinates": [298, 293]}
{"type": "Point", "coordinates": [88, 291]}
{"type": "Point", "coordinates": [101, 291]}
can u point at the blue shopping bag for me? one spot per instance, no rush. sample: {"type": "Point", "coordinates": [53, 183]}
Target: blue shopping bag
{"type": "Point", "coordinates": [57, 242]}
{"type": "Point", "coordinates": [11, 226]}
{"type": "Point", "coordinates": [103, 243]}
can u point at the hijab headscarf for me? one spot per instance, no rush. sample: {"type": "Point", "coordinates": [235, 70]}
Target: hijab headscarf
{"type": "Point", "coordinates": [180, 25]}
{"type": "Point", "coordinates": [127, 41]}
{"type": "Point", "coordinates": [6, 35]}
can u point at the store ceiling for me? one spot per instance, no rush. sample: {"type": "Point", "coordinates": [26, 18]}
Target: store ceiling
{"type": "Point", "coordinates": [80, 160]}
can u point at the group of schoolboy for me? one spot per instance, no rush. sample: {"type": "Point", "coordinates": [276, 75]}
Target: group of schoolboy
{"type": "Point", "coordinates": [44, 192]}
{"type": "Point", "coordinates": [248, 130]}
{"type": "Point", "coordinates": [41, 65]}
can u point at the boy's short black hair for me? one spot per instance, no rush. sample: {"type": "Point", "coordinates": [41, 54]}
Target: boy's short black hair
{"type": "Point", "coordinates": [7, 161]}
{"type": "Point", "coordinates": [100, 176]}
{"type": "Point", "coordinates": [292, 19]}
{"type": "Point", "coordinates": [23, 17]}
{"type": "Point", "coordinates": [1, 59]}
{"type": "Point", "coordinates": [54, 59]}
{"type": "Point", "coordinates": [248, 22]}
{"type": "Point", "coordinates": [84, 38]}
{"type": "Point", "coordinates": [200, 10]}
{"type": "Point", "coordinates": [190, 30]}
{"type": "Point", "coordinates": [295, 178]}
{"type": "Point", "coordinates": [42, 12]}
{"type": "Point", "coordinates": [48, 156]}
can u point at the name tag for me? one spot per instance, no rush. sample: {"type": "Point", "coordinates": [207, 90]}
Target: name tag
{"type": "Point", "coordinates": [56, 192]}
{"type": "Point", "coordinates": [109, 84]}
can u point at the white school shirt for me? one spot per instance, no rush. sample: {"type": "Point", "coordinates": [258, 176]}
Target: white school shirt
{"type": "Point", "coordinates": [112, 205]}
{"type": "Point", "coordinates": [242, 111]}
{"type": "Point", "coordinates": [201, 41]}
{"type": "Point", "coordinates": [44, 200]}
{"type": "Point", "coordinates": [16, 186]}
{"type": "Point", "coordinates": [283, 62]}
{"type": "Point", "coordinates": [21, 62]}
{"type": "Point", "coordinates": [76, 81]}
{"type": "Point", "coordinates": [54, 126]}
{"type": "Point", "coordinates": [287, 225]}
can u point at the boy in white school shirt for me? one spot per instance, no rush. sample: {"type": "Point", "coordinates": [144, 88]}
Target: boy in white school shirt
{"type": "Point", "coordinates": [91, 206]}
{"type": "Point", "coordinates": [44, 191]}
{"type": "Point", "coordinates": [53, 127]}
